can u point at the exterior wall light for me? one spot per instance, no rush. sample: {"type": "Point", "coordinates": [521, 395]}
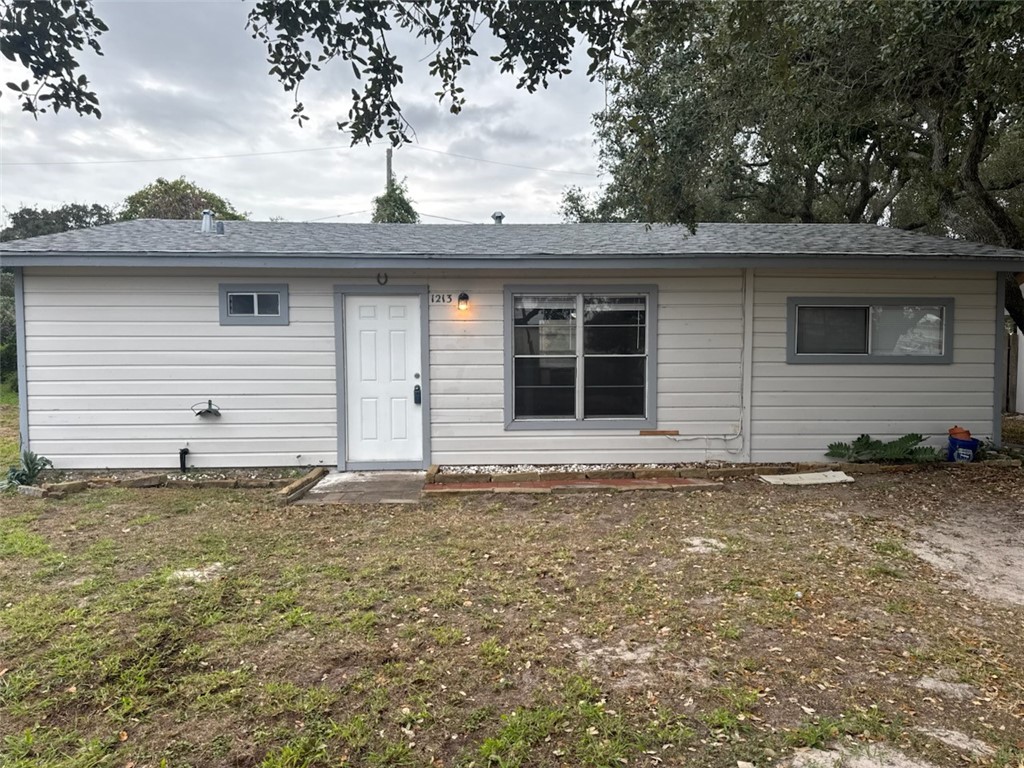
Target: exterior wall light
{"type": "Point", "coordinates": [463, 301]}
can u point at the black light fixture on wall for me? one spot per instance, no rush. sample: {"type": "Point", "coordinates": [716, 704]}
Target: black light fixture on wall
{"type": "Point", "coordinates": [463, 301]}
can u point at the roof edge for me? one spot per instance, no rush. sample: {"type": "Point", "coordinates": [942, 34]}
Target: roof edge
{"type": "Point", "coordinates": [490, 262]}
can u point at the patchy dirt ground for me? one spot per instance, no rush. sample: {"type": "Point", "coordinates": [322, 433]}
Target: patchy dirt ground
{"type": "Point", "coordinates": [980, 549]}
{"type": "Point", "coordinates": [751, 626]}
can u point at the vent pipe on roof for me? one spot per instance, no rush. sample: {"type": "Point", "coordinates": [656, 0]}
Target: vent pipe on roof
{"type": "Point", "coordinates": [220, 227]}
{"type": "Point", "coordinates": [207, 222]}
{"type": "Point", "coordinates": [498, 217]}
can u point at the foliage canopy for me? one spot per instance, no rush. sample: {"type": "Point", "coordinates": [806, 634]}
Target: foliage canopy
{"type": "Point", "coordinates": [176, 199]}
{"type": "Point", "coordinates": [888, 112]}
{"type": "Point", "coordinates": [33, 221]}
{"type": "Point", "coordinates": [304, 36]}
{"type": "Point", "coordinates": [394, 206]}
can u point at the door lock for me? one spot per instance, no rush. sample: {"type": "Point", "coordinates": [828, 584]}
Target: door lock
{"type": "Point", "coordinates": [417, 395]}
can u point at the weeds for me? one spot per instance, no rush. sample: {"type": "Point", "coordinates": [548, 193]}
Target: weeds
{"type": "Point", "coordinates": [536, 632]}
{"type": "Point", "coordinates": [32, 465]}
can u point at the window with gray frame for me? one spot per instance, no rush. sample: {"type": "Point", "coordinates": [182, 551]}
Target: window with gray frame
{"type": "Point", "coordinates": [869, 330]}
{"type": "Point", "coordinates": [578, 357]}
{"type": "Point", "coordinates": [253, 304]}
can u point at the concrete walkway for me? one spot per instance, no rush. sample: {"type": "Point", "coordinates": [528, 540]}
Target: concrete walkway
{"type": "Point", "coordinates": [367, 488]}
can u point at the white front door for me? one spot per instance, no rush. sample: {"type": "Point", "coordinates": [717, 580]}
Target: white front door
{"type": "Point", "coordinates": [384, 423]}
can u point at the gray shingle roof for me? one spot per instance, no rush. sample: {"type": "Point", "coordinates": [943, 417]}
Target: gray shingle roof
{"type": "Point", "coordinates": [564, 241]}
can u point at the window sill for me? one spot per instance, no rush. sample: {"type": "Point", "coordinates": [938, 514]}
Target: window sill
{"type": "Point", "coordinates": [572, 425]}
{"type": "Point", "coordinates": [827, 359]}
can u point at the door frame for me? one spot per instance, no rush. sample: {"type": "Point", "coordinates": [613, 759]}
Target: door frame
{"type": "Point", "coordinates": [341, 370]}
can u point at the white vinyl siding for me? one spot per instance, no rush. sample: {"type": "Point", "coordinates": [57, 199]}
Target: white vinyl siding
{"type": "Point", "coordinates": [116, 360]}
{"type": "Point", "coordinates": [797, 410]}
{"type": "Point", "coordinates": [114, 363]}
{"type": "Point", "coordinates": [700, 333]}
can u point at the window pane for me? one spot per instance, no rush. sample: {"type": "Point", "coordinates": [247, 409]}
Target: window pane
{"type": "Point", "coordinates": [544, 325]}
{"type": "Point", "coordinates": [613, 401]}
{"type": "Point", "coordinates": [908, 330]}
{"type": "Point", "coordinates": [614, 325]}
{"type": "Point", "coordinates": [614, 371]}
{"type": "Point", "coordinates": [545, 386]}
{"type": "Point", "coordinates": [614, 340]}
{"type": "Point", "coordinates": [545, 371]}
{"type": "Point", "coordinates": [241, 304]}
{"type": "Point", "coordinates": [536, 310]}
{"type": "Point", "coordinates": [614, 310]}
{"type": "Point", "coordinates": [832, 330]}
{"type": "Point", "coordinates": [545, 340]}
{"type": "Point", "coordinates": [268, 303]}
{"type": "Point", "coordinates": [614, 386]}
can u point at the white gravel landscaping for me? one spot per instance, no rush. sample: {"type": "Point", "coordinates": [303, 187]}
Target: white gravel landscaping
{"type": "Point", "coordinates": [495, 469]}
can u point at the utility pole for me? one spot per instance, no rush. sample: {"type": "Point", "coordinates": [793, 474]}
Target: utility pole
{"type": "Point", "coordinates": [387, 186]}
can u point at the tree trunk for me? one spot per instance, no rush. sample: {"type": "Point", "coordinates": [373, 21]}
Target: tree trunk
{"type": "Point", "coordinates": [970, 177]}
{"type": "Point", "coordinates": [1014, 299]}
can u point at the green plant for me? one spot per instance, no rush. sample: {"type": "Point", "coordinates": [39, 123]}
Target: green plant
{"type": "Point", "coordinates": [902, 449]}
{"type": "Point", "coordinates": [32, 464]}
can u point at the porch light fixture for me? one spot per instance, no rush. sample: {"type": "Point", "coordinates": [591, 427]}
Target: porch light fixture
{"type": "Point", "coordinates": [463, 301]}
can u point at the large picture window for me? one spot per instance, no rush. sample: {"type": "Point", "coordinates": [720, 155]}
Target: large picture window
{"type": "Point", "coordinates": [873, 330]}
{"type": "Point", "coordinates": [579, 358]}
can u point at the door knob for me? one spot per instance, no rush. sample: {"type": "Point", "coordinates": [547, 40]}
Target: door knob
{"type": "Point", "coordinates": [417, 394]}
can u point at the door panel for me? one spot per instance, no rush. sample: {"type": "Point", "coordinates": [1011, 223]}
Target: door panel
{"type": "Point", "coordinates": [382, 365]}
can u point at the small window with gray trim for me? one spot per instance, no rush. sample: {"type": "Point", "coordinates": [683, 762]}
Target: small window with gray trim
{"type": "Point", "coordinates": [578, 358]}
{"type": "Point", "coordinates": [915, 330]}
{"type": "Point", "coordinates": [253, 304]}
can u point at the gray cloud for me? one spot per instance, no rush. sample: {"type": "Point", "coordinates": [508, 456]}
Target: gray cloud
{"type": "Point", "coordinates": [185, 79]}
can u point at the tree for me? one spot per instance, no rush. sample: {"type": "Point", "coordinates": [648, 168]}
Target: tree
{"type": "Point", "coordinates": [31, 221]}
{"type": "Point", "coordinates": [43, 38]}
{"type": "Point", "coordinates": [303, 36]}
{"type": "Point", "coordinates": [394, 206]}
{"type": "Point", "coordinates": [8, 334]}
{"type": "Point", "coordinates": [177, 199]}
{"type": "Point", "coordinates": [808, 110]}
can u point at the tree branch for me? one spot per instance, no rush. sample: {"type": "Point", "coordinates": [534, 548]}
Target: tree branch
{"type": "Point", "coordinates": [970, 177]}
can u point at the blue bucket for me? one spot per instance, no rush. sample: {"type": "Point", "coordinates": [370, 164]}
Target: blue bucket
{"type": "Point", "coordinates": [962, 450]}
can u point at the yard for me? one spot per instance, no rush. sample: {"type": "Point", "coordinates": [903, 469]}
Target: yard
{"type": "Point", "coordinates": [180, 627]}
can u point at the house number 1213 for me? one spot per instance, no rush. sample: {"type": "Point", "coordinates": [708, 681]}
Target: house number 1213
{"type": "Point", "coordinates": [441, 298]}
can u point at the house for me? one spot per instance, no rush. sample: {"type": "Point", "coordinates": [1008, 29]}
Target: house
{"type": "Point", "coordinates": [390, 346]}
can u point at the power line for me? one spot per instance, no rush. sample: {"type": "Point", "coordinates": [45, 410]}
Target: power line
{"type": "Point", "coordinates": [178, 159]}
{"type": "Point", "coordinates": [130, 161]}
{"type": "Point", "coordinates": [498, 162]}
{"type": "Point", "coordinates": [353, 213]}
{"type": "Point", "coordinates": [336, 216]}
{"type": "Point", "coordinates": [445, 218]}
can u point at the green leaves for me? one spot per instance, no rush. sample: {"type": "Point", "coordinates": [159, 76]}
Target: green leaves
{"type": "Point", "coordinates": [177, 199]}
{"type": "Point", "coordinates": [43, 37]}
{"type": "Point", "coordinates": [32, 464]}
{"type": "Point", "coordinates": [32, 221]}
{"type": "Point", "coordinates": [816, 111]}
{"type": "Point", "coordinates": [394, 206]}
{"type": "Point", "coordinates": [902, 449]}
{"type": "Point", "coordinates": [537, 38]}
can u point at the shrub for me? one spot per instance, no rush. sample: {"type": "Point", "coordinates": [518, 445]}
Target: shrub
{"type": "Point", "coordinates": [32, 464]}
{"type": "Point", "coordinates": [902, 449]}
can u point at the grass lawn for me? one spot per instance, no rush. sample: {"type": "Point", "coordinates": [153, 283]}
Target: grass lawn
{"type": "Point", "coordinates": [8, 429]}
{"type": "Point", "coordinates": [582, 630]}
{"type": "Point", "coordinates": [1013, 430]}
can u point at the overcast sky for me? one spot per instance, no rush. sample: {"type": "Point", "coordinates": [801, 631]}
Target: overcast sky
{"type": "Point", "coordinates": [185, 79]}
